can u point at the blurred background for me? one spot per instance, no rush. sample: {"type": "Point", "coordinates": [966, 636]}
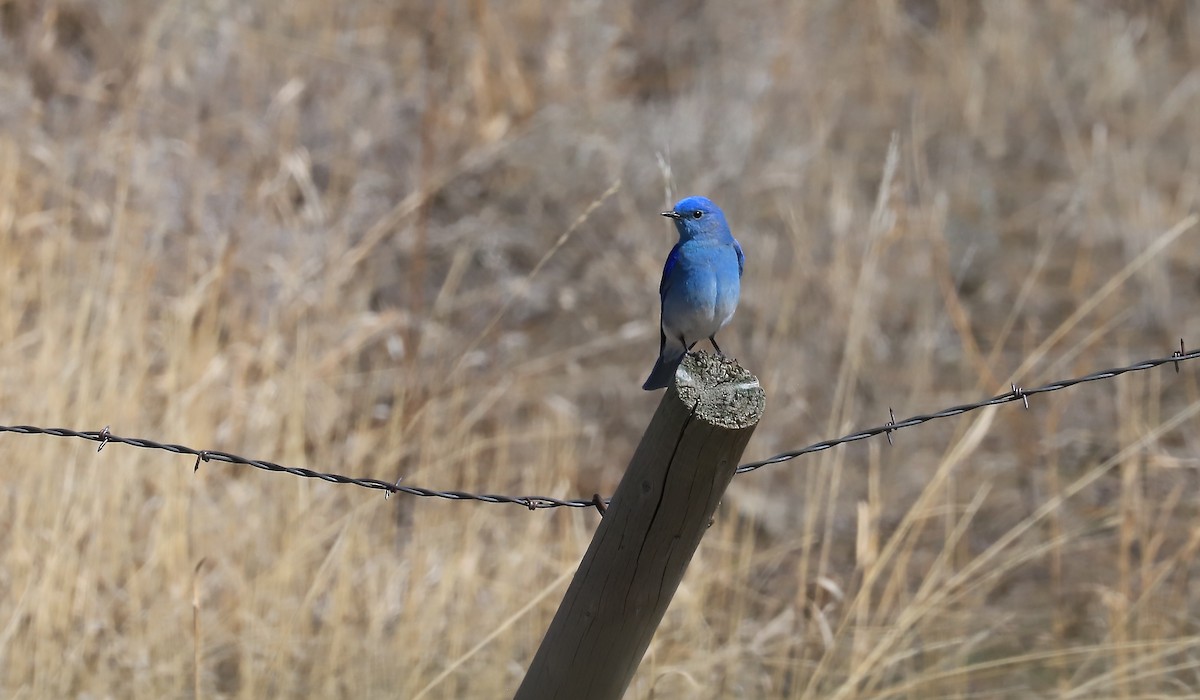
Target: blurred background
{"type": "Point", "coordinates": [421, 240]}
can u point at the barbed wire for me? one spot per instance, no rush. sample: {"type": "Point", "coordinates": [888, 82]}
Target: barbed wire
{"type": "Point", "coordinates": [105, 436]}
{"type": "Point", "coordinates": [1016, 394]}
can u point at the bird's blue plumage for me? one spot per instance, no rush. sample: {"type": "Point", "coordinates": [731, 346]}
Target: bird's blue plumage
{"type": "Point", "coordinates": [672, 257]}
{"type": "Point", "coordinates": [700, 285]}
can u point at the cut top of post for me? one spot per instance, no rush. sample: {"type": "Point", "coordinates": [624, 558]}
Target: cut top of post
{"type": "Point", "coordinates": [719, 391]}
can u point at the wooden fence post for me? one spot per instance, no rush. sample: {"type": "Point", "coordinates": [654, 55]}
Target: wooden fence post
{"type": "Point", "coordinates": [661, 509]}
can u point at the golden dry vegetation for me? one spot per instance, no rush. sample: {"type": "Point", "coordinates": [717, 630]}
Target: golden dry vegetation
{"type": "Point", "coordinates": [420, 239]}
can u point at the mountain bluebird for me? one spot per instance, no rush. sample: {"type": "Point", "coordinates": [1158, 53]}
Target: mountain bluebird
{"type": "Point", "coordinates": [700, 285]}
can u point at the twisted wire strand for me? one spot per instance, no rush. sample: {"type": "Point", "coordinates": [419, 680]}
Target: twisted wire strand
{"type": "Point", "coordinates": [1017, 394]}
{"type": "Point", "coordinates": [104, 437]}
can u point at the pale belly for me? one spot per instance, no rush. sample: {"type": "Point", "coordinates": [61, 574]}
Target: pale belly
{"type": "Point", "coordinates": [702, 299]}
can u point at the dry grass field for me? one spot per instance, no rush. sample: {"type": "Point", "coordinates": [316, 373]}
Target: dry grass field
{"type": "Point", "coordinates": [420, 240]}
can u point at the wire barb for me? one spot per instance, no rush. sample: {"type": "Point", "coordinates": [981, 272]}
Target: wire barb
{"type": "Point", "coordinates": [388, 493]}
{"type": "Point", "coordinates": [1019, 393]}
{"type": "Point", "coordinates": [1177, 354]}
{"type": "Point", "coordinates": [105, 437]}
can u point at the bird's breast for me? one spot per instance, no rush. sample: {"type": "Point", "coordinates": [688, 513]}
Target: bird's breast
{"type": "Point", "coordinates": [704, 290]}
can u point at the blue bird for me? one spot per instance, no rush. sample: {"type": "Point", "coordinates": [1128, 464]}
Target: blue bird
{"type": "Point", "coordinates": [701, 281]}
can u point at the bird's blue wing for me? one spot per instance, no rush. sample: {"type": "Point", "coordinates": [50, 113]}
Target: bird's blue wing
{"type": "Point", "coordinates": [741, 257]}
{"type": "Point", "coordinates": [668, 267]}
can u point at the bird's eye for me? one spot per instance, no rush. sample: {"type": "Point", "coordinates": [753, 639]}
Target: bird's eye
{"type": "Point", "coordinates": [697, 214]}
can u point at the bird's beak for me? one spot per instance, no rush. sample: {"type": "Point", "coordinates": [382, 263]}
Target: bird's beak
{"type": "Point", "coordinates": [672, 214]}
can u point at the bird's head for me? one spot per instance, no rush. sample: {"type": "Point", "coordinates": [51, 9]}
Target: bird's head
{"type": "Point", "coordinates": [698, 217]}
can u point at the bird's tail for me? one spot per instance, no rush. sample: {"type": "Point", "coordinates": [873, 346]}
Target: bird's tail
{"type": "Point", "coordinates": [664, 369]}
